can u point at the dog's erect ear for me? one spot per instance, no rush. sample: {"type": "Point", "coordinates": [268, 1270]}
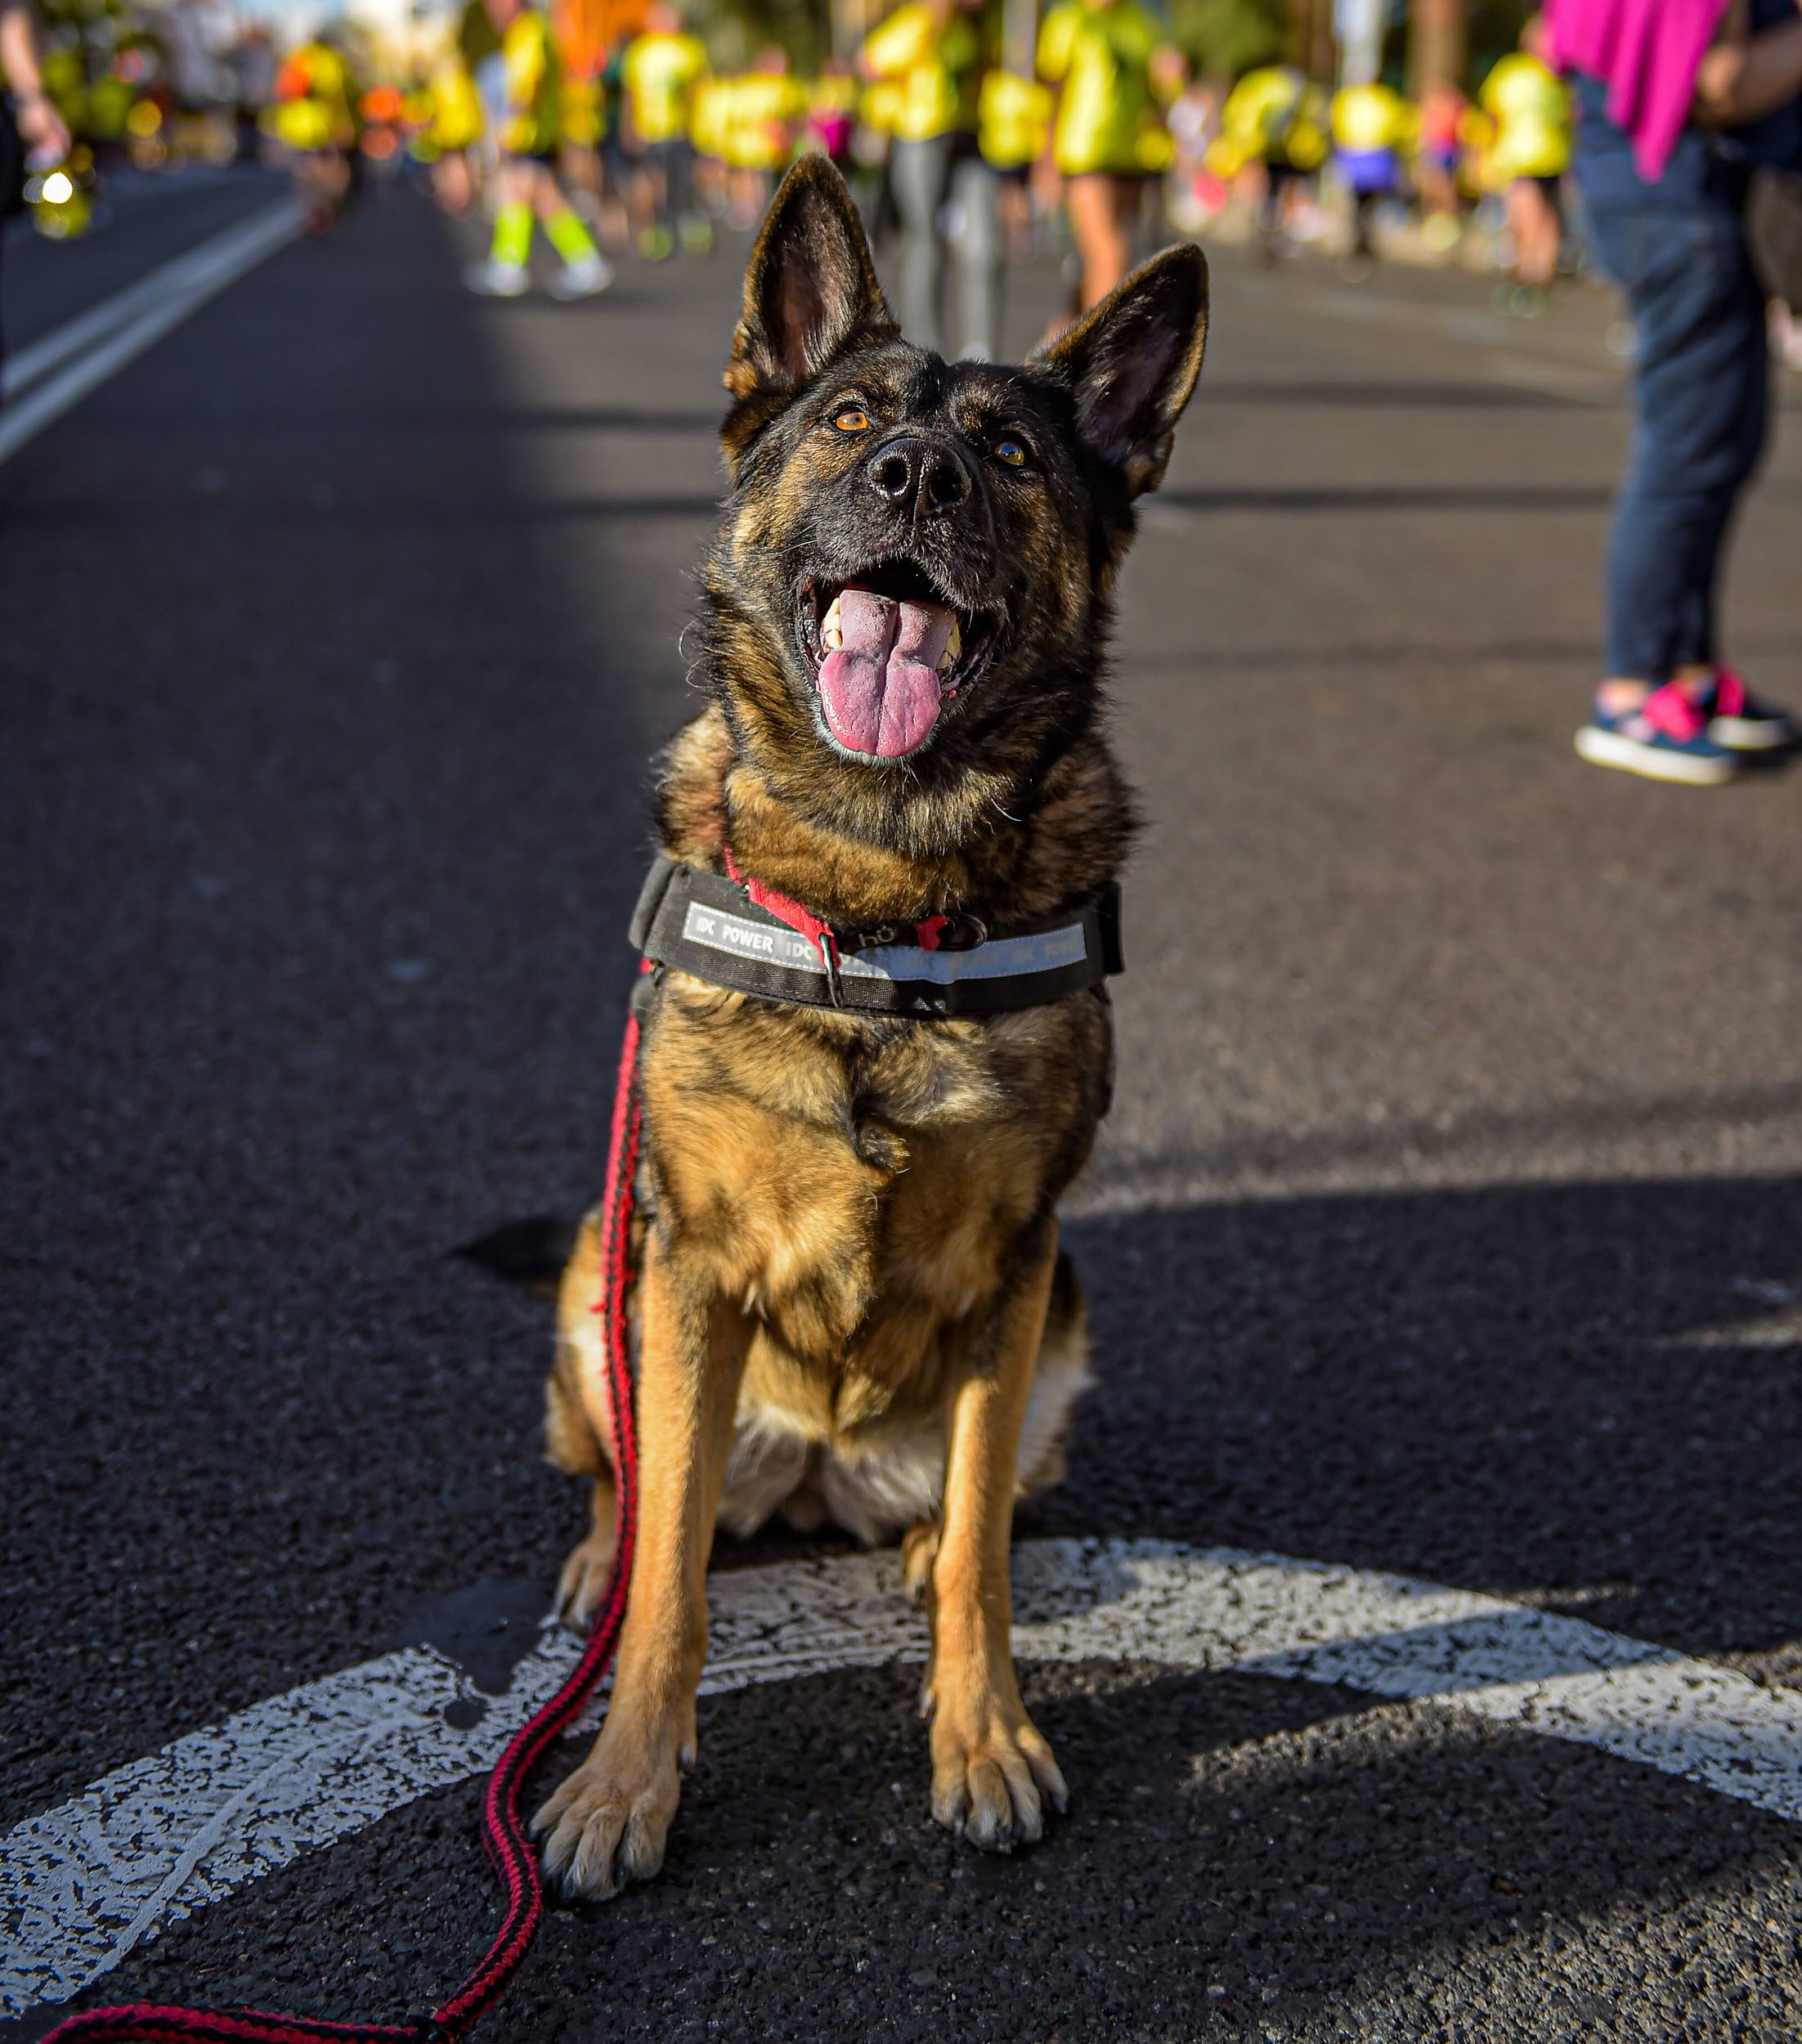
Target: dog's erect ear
{"type": "Point", "coordinates": [811, 287]}
{"type": "Point", "coordinates": [1133, 362]}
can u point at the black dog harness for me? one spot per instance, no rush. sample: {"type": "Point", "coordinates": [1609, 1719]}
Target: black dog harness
{"type": "Point", "coordinates": [739, 934]}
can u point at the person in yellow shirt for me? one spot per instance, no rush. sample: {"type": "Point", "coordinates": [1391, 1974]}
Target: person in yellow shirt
{"type": "Point", "coordinates": [1274, 118]}
{"type": "Point", "coordinates": [934, 53]}
{"type": "Point", "coordinates": [453, 129]}
{"type": "Point", "coordinates": [314, 118]}
{"type": "Point", "coordinates": [762, 109]}
{"type": "Point", "coordinates": [1117, 69]}
{"type": "Point", "coordinates": [664, 67]}
{"type": "Point", "coordinates": [530, 95]}
{"type": "Point", "coordinates": [1371, 124]}
{"type": "Point", "coordinates": [1531, 106]}
{"type": "Point", "coordinates": [1015, 115]}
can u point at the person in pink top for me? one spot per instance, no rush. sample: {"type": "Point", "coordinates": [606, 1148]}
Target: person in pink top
{"type": "Point", "coordinates": [1678, 100]}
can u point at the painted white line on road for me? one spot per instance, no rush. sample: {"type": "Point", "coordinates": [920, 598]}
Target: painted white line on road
{"type": "Point", "coordinates": [154, 1841]}
{"type": "Point", "coordinates": [101, 341]}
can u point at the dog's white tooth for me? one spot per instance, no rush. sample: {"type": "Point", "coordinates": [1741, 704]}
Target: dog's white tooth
{"type": "Point", "coordinates": [954, 646]}
{"type": "Point", "coordinates": [832, 634]}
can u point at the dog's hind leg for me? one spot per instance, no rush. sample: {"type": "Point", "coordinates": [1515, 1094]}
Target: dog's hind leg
{"type": "Point", "coordinates": [607, 1823]}
{"type": "Point", "coordinates": [578, 1423]}
{"type": "Point", "coordinates": [991, 1770]}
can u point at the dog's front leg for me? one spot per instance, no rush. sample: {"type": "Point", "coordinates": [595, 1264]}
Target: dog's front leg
{"type": "Point", "coordinates": [606, 1824]}
{"type": "Point", "coordinates": [991, 1772]}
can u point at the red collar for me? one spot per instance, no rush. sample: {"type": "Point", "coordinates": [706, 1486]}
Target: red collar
{"type": "Point", "coordinates": [826, 939]}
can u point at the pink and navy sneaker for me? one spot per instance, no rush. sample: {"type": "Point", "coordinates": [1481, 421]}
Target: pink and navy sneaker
{"type": "Point", "coordinates": [1667, 737]}
{"type": "Point", "coordinates": [1739, 721]}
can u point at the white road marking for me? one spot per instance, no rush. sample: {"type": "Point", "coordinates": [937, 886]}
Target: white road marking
{"type": "Point", "coordinates": [101, 341]}
{"type": "Point", "coordinates": [154, 1841]}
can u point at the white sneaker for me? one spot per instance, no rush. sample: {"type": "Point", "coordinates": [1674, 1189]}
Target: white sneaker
{"type": "Point", "coordinates": [492, 279]}
{"type": "Point", "coordinates": [581, 279]}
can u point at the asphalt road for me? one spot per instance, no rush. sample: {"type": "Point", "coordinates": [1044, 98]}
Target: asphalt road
{"type": "Point", "coordinates": [1448, 1222]}
{"type": "Point", "coordinates": [149, 221]}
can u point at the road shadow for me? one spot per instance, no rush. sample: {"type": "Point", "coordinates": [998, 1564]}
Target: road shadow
{"type": "Point", "coordinates": [1582, 1394]}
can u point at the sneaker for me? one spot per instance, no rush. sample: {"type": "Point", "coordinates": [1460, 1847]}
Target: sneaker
{"type": "Point", "coordinates": [696, 234]}
{"type": "Point", "coordinates": [492, 279]}
{"type": "Point", "coordinates": [1739, 721]}
{"type": "Point", "coordinates": [1666, 738]}
{"type": "Point", "coordinates": [655, 245]}
{"type": "Point", "coordinates": [581, 279]}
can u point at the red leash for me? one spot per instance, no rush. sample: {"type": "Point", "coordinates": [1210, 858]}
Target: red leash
{"type": "Point", "coordinates": [503, 1832]}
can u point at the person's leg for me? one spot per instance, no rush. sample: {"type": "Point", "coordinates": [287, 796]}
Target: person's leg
{"type": "Point", "coordinates": [564, 227]}
{"type": "Point", "coordinates": [975, 191]}
{"type": "Point", "coordinates": [1271, 209]}
{"type": "Point", "coordinates": [918, 171]}
{"type": "Point", "coordinates": [678, 180]}
{"type": "Point", "coordinates": [1727, 428]}
{"type": "Point", "coordinates": [1098, 221]}
{"type": "Point", "coordinates": [1700, 392]}
{"type": "Point", "coordinates": [514, 187]}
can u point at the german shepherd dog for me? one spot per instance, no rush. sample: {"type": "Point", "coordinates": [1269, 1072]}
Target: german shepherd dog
{"type": "Point", "coordinates": [849, 1302]}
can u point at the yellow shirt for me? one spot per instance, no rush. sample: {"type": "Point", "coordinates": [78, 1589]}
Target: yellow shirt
{"type": "Point", "coordinates": [1371, 117]}
{"type": "Point", "coordinates": [312, 109]}
{"type": "Point", "coordinates": [759, 108]}
{"type": "Point", "coordinates": [1107, 118]}
{"type": "Point", "coordinates": [661, 72]}
{"type": "Point", "coordinates": [936, 69]}
{"type": "Point", "coordinates": [1014, 120]}
{"type": "Point", "coordinates": [534, 86]}
{"type": "Point", "coordinates": [456, 107]}
{"type": "Point", "coordinates": [1532, 110]}
{"type": "Point", "coordinates": [1275, 115]}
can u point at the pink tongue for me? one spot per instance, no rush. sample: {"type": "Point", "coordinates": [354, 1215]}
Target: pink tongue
{"type": "Point", "coordinates": [880, 689]}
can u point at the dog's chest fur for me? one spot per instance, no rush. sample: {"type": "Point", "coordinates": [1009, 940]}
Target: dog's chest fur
{"type": "Point", "coordinates": [860, 1183]}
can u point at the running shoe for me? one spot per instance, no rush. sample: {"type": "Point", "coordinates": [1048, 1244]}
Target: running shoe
{"type": "Point", "coordinates": [1666, 738]}
{"type": "Point", "coordinates": [492, 279]}
{"type": "Point", "coordinates": [581, 279]}
{"type": "Point", "coordinates": [1738, 720]}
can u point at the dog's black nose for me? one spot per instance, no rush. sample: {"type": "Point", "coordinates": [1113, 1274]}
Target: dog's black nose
{"type": "Point", "coordinates": [920, 477]}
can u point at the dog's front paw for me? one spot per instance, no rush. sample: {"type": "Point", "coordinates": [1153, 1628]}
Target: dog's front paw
{"type": "Point", "coordinates": [991, 1776]}
{"type": "Point", "coordinates": [607, 1825]}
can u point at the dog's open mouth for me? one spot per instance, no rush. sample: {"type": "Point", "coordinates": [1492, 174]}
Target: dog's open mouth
{"type": "Point", "coordinates": [887, 652]}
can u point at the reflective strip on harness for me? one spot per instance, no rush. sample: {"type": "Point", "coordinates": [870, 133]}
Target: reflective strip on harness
{"type": "Point", "coordinates": [702, 924]}
{"type": "Point", "coordinates": [1001, 958]}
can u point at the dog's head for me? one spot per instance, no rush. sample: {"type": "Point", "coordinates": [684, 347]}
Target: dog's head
{"type": "Point", "coordinates": [911, 592]}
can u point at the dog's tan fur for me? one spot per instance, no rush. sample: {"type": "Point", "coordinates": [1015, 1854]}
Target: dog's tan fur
{"type": "Point", "coordinates": [849, 1302]}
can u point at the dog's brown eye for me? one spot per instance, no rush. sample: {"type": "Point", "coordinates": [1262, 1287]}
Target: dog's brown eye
{"type": "Point", "coordinates": [1011, 452]}
{"type": "Point", "coordinates": [853, 419]}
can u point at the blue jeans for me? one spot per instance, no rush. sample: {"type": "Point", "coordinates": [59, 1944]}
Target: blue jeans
{"type": "Point", "coordinates": [1701, 397]}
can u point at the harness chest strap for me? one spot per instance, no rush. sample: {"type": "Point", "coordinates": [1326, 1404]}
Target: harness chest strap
{"type": "Point", "coordinates": [735, 934]}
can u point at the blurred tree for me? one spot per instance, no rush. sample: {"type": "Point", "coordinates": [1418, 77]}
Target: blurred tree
{"type": "Point", "coordinates": [1490, 29]}
{"type": "Point", "coordinates": [1436, 44]}
{"type": "Point", "coordinates": [1230, 36]}
{"type": "Point", "coordinates": [735, 30]}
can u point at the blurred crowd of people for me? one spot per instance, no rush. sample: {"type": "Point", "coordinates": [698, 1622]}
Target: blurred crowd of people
{"type": "Point", "coordinates": [974, 133]}
{"type": "Point", "coordinates": [974, 152]}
